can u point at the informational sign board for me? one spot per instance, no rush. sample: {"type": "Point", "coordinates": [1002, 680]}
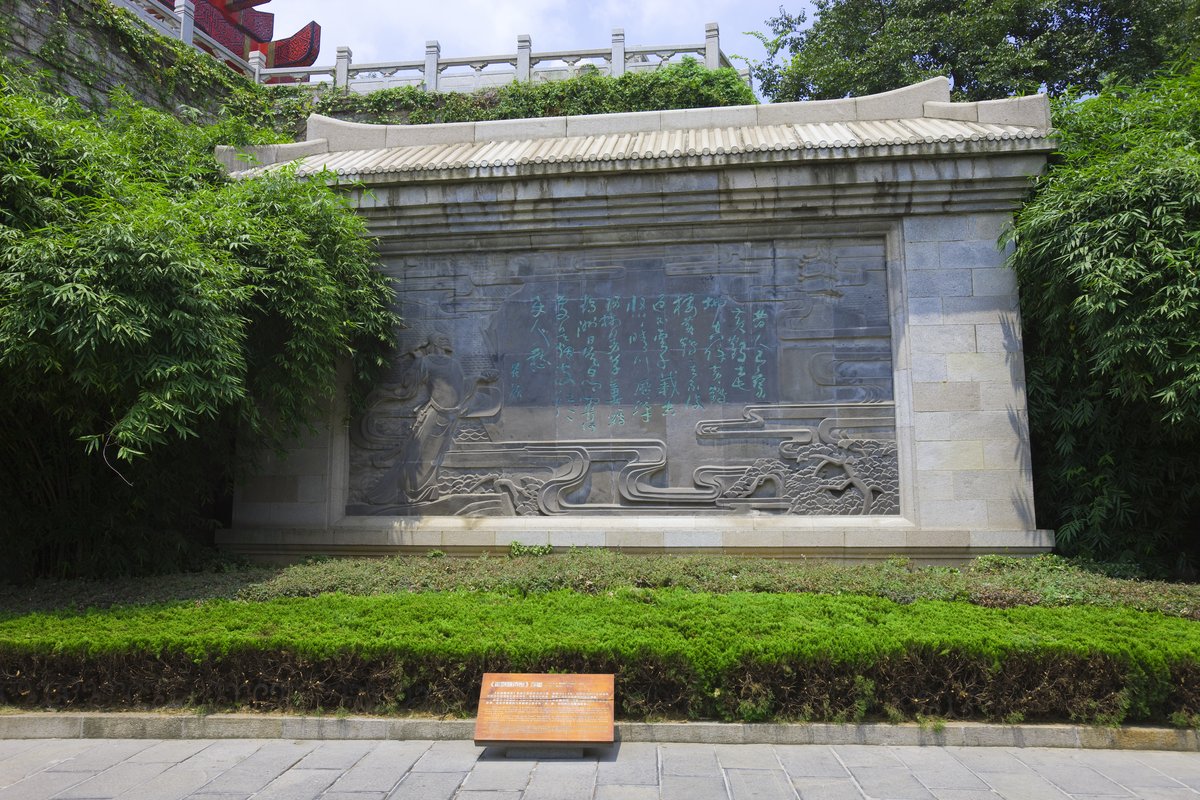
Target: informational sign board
{"type": "Point", "coordinates": [520, 708]}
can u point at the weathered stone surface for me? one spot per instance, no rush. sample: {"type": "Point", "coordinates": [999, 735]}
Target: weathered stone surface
{"type": "Point", "coordinates": [726, 378]}
{"type": "Point", "coordinates": [700, 330]}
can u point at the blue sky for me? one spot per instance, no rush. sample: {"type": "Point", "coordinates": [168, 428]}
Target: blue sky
{"type": "Point", "coordinates": [386, 30]}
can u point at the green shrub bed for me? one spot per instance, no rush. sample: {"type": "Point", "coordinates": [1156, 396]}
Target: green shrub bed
{"type": "Point", "coordinates": [685, 84]}
{"type": "Point", "coordinates": [675, 653]}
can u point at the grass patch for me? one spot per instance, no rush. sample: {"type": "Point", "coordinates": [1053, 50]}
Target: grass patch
{"type": "Point", "coordinates": [749, 656]}
{"type": "Point", "coordinates": [992, 581]}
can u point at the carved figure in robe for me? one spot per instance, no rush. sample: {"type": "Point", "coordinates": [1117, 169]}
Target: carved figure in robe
{"type": "Point", "coordinates": [449, 396]}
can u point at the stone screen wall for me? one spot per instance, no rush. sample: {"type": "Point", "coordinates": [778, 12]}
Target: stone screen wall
{"type": "Point", "coordinates": [710, 378]}
{"type": "Point", "coordinates": [783, 330]}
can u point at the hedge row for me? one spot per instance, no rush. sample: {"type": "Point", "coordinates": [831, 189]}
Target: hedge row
{"type": "Point", "coordinates": [737, 656]}
{"type": "Point", "coordinates": [685, 84]}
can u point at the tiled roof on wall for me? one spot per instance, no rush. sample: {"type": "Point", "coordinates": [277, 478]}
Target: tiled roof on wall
{"type": "Point", "coordinates": [913, 118]}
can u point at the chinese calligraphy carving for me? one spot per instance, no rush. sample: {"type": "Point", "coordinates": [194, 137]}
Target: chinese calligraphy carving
{"type": "Point", "coordinates": [729, 377]}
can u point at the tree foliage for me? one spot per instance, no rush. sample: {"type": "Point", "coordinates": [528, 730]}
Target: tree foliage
{"type": "Point", "coordinates": [1108, 257]}
{"type": "Point", "coordinates": [148, 308]}
{"type": "Point", "coordinates": [988, 48]}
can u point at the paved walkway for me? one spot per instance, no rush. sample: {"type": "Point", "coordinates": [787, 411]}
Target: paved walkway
{"type": "Point", "coordinates": [261, 769]}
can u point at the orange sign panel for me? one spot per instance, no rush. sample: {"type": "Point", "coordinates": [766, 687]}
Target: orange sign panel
{"type": "Point", "coordinates": [519, 708]}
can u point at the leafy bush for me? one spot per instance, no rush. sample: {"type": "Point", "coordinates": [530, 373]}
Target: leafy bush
{"type": "Point", "coordinates": [746, 656]}
{"type": "Point", "coordinates": [148, 309]}
{"type": "Point", "coordinates": [1108, 257]}
{"type": "Point", "coordinates": [518, 550]}
{"type": "Point", "coordinates": [686, 84]}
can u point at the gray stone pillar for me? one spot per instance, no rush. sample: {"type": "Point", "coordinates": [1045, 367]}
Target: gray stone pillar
{"type": "Point", "coordinates": [258, 62]}
{"type": "Point", "coordinates": [617, 65]}
{"type": "Point", "coordinates": [341, 70]}
{"type": "Point", "coordinates": [524, 51]}
{"type": "Point", "coordinates": [433, 53]}
{"type": "Point", "coordinates": [186, 11]}
{"type": "Point", "coordinates": [712, 45]}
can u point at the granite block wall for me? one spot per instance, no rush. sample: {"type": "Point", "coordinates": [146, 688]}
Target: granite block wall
{"type": "Point", "coordinates": [971, 466]}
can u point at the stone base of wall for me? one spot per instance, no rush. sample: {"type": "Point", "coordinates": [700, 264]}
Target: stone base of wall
{"type": "Point", "coordinates": [764, 537]}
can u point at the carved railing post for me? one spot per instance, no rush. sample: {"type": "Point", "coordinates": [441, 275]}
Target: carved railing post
{"type": "Point", "coordinates": [433, 53]}
{"type": "Point", "coordinates": [258, 62]}
{"type": "Point", "coordinates": [524, 51]}
{"type": "Point", "coordinates": [616, 67]}
{"type": "Point", "coordinates": [341, 70]}
{"type": "Point", "coordinates": [186, 11]}
{"type": "Point", "coordinates": [712, 45]}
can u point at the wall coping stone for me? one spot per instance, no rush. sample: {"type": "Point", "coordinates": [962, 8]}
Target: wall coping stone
{"type": "Point", "coordinates": [920, 113]}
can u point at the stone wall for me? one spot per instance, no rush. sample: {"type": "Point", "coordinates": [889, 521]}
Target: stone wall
{"type": "Point", "coordinates": [890, 416]}
{"type": "Point", "coordinates": [87, 48]}
{"type": "Point", "coordinates": [968, 378]}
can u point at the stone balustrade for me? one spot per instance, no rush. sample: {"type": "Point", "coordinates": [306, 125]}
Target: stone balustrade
{"type": "Point", "coordinates": [435, 72]}
{"type": "Point", "coordinates": [471, 73]}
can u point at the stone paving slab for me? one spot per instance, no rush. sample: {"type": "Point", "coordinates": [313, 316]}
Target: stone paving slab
{"type": "Point", "coordinates": [567, 778]}
{"type": "Point", "coordinates": [41, 784]}
{"type": "Point", "coordinates": [757, 784]}
{"type": "Point", "coordinates": [428, 786]}
{"type": "Point", "coordinates": [266, 769]}
{"type": "Point", "coordinates": [377, 771]}
{"type": "Point", "coordinates": [114, 781]}
{"type": "Point", "coordinates": [633, 764]}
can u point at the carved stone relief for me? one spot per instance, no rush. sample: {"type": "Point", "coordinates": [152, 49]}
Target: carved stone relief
{"type": "Point", "coordinates": [715, 378]}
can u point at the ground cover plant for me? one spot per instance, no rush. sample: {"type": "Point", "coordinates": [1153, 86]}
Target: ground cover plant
{"type": "Point", "coordinates": [995, 581]}
{"type": "Point", "coordinates": [741, 655]}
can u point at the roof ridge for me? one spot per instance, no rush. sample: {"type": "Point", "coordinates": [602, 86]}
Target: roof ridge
{"type": "Point", "coordinates": [928, 100]}
{"type": "Point", "coordinates": [670, 145]}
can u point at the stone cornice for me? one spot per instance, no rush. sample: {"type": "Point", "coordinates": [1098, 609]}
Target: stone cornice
{"type": "Point", "coordinates": [917, 121]}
